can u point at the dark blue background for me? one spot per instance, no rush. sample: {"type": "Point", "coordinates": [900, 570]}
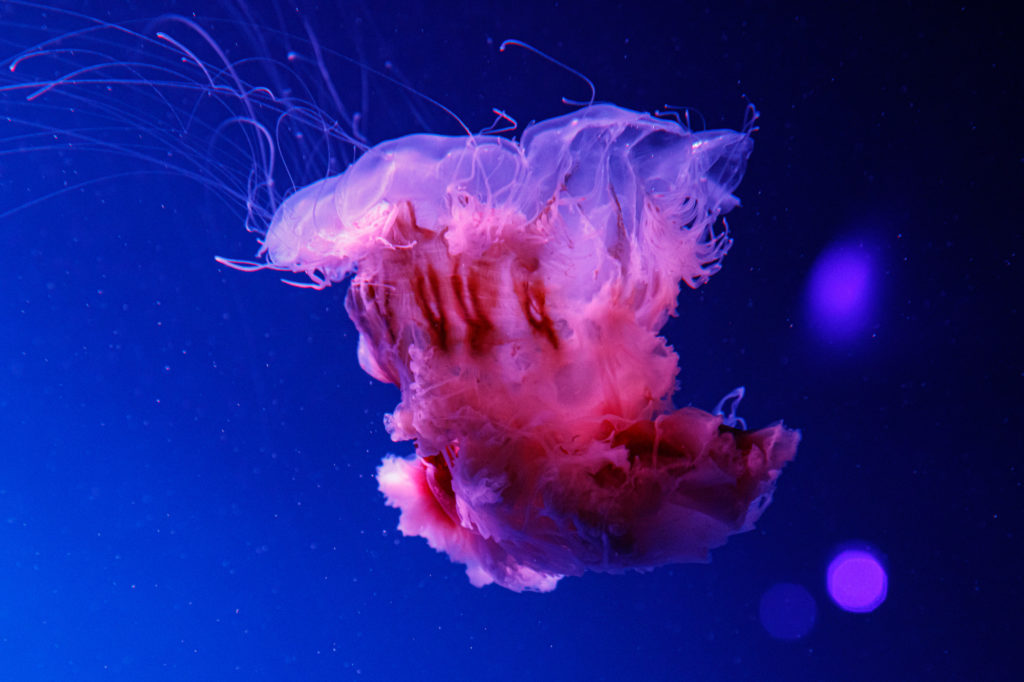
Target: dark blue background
{"type": "Point", "coordinates": [187, 452]}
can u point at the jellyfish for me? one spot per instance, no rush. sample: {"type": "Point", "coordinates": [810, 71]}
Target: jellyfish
{"type": "Point", "coordinates": [514, 291]}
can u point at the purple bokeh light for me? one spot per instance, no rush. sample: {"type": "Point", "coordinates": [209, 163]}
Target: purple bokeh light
{"type": "Point", "coordinates": [841, 290]}
{"type": "Point", "coordinates": [787, 611]}
{"type": "Point", "coordinates": [857, 581]}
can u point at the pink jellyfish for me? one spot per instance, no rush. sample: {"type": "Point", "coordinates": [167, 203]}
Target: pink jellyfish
{"type": "Point", "coordinates": [515, 293]}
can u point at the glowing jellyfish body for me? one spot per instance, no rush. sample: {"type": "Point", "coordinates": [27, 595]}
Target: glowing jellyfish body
{"type": "Point", "coordinates": [514, 292]}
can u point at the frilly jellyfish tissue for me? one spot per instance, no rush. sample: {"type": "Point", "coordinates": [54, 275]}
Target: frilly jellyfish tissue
{"type": "Point", "coordinates": [514, 292]}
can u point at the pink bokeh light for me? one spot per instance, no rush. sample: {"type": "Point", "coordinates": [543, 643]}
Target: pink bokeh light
{"type": "Point", "coordinates": [841, 290]}
{"type": "Point", "coordinates": [857, 581]}
{"type": "Point", "coordinates": [787, 611]}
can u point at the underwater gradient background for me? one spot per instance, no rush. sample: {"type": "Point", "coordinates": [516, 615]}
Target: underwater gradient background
{"type": "Point", "coordinates": [187, 452]}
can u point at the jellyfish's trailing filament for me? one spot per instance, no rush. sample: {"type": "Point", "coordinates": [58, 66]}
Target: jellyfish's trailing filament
{"type": "Point", "coordinates": [515, 292]}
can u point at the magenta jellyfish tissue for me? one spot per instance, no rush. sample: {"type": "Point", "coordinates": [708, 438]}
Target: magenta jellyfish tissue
{"type": "Point", "coordinates": [514, 292]}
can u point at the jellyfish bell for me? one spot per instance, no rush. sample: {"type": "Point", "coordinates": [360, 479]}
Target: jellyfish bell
{"type": "Point", "coordinates": [514, 292]}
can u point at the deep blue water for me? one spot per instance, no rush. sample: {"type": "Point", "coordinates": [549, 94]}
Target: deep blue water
{"type": "Point", "coordinates": [187, 452]}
